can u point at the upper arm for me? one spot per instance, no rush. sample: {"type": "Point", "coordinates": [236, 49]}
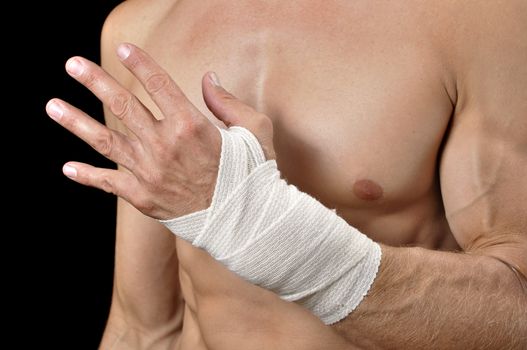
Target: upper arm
{"type": "Point", "coordinates": [483, 167]}
{"type": "Point", "coordinates": [116, 30]}
{"type": "Point", "coordinates": [121, 26]}
{"type": "Point", "coordinates": [146, 278]}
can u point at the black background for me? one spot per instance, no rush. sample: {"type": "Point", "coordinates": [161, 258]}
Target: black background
{"type": "Point", "coordinates": [61, 259]}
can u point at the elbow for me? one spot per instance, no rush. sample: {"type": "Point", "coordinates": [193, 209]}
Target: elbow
{"type": "Point", "coordinates": [522, 281]}
{"type": "Point", "coordinates": [515, 295]}
{"type": "Point", "coordinates": [509, 250]}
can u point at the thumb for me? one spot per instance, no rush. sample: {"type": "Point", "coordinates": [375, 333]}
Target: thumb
{"type": "Point", "coordinates": [224, 105]}
{"type": "Point", "coordinates": [233, 112]}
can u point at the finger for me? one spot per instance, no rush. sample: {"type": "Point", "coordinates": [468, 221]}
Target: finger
{"type": "Point", "coordinates": [234, 112]}
{"type": "Point", "coordinates": [157, 82]}
{"type": "Point", "coordinates": [226, 106]}
{"type": "Point", "coordinates": [111, 144]}
{"type": "Point", "coordinates": [120, 183]}
{"type": "Point", "coordinates": [123, 104]}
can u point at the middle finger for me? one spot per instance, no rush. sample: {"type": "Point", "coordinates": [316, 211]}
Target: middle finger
{"type": "Point", "coordinates": [121, 102]}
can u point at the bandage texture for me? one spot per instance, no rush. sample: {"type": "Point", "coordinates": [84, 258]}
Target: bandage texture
{"type": "Point", "coordinates": [277, 237]}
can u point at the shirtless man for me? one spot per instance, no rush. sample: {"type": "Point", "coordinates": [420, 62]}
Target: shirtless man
{"type": "Point", "coordinates": [410, 121]}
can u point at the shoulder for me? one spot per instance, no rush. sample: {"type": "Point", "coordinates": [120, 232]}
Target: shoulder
{"type": "Point", "coordinates": [120, 26]}
{"type": "Point", "coordinates": [121, 23]}
{"type": "Point", "coordinates": [484, 46]}
{"type": "Point", "coordinates": [489, 32]}
{"type": "Point", "coordinates": [477, 33]}
{"type": "Point", "coordinates": [471, 19]}
{"type": "Point", "coordinates": [131, 18]}
{"type": "Point", "coordinates": [130, 22]}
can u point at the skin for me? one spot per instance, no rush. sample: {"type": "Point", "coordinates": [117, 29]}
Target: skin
{"type": "Point", "coordinates": [410, 121]}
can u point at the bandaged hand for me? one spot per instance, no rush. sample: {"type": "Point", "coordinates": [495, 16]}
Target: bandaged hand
{"type": "Point", "coordinates": [219, 189]}
{"type": "Point", "coordinates": [279, 238]}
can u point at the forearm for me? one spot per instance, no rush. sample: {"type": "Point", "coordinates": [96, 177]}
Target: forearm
{"type": "Point", "coordinates": [278, 238]}
{"type": "Point", "coordinates": [116, 329]}
{"type": "Point", "coordinates": [147, 305]}
{"type": "Point", "coordinates": [429, 299]}
{"type": "Point", "coordinates": [146, 282]}
{"type": "Point", "coordinates": [122, 333]}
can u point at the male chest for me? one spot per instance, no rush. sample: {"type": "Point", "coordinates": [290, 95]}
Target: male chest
{"type": "Point", "coordinates": [359, 105]}
{"type": "Point", "coordinates": [360, 126]}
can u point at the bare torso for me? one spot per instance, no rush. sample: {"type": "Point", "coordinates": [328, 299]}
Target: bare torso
{"type": "Point", "coordinates": [359, 93]}
{"type": "Point", "coordinates": [356, 90]}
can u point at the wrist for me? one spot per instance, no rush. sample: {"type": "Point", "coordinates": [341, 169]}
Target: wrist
{"type": "Point", "coordinates": [279, 238]}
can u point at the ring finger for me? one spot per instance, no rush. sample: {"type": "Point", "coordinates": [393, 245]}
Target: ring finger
{"type": "Point", "coordinates": [111, 144]}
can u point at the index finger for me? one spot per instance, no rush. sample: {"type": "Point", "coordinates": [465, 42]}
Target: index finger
{"type": "Point", "coordinates": [163, 90]}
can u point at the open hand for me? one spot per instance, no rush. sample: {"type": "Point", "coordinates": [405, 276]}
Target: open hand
{"type": "Point", "coordinates": [170, 165]}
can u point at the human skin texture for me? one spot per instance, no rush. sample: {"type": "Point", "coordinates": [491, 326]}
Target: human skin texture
{"type": "Point", "coordinates": [410, 121]}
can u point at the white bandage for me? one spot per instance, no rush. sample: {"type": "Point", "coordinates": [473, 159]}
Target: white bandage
{"type": "Point", "coordinates": [279, 238]}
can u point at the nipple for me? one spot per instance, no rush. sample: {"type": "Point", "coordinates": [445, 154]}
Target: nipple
{"type": "Point", "coordinates": [367, 190]}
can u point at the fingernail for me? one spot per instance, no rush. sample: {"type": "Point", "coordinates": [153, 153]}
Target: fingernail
{"type": "Point", "coordinates": [54, 110]}
{"type": "Point", "coordinates": [214, 79]}
{"type": "Point", "coordinates": [123, 51]}
{"type": "Point", "coordinates": [69, 171]}
{"type": "Point", "coordinates": [74, 67]}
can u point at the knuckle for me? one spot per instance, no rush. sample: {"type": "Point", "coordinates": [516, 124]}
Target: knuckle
{"type": "Point", "coordinates": [191, 127]}
{"type": "Point", "coordinates": [146, 207]}
{"type": "Point", "coordinates": [104, 143]}
{"type": "Point", "coordinates": [157, 82]}
{"type": "Point", "coordinates": [134, 61]}
{"type": "Point", "coordinates": [143, 203]}
{"type": "Point", "coordinates": [106, 184]}
{"type": "Point", "coordinates": [121, 104]}
{"type": "Point", "coordinates": [70, 122]}
{"type": "Point", "coordinates": [89, 80]}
